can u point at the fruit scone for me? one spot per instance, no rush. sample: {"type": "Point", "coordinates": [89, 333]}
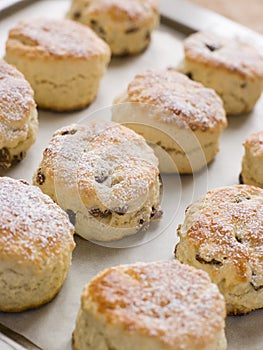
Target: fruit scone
{"type": "Point", "coordinates": [233, 68]}
{"type": "Point", "coordinates": [182, 119]}
{"type": "Point", "coordinates": [126, 25]}
{"type": "Point", "coordinates": [18, 116]}
{"type": "Point", "coordinates": [105, 176]}
{"type": "Point", "coordinates": [222, 234]}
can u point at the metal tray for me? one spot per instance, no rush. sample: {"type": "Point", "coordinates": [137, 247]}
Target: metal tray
{"type": "Point", "coordinates": [51, 326]}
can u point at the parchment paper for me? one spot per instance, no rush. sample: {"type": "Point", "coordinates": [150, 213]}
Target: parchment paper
{"type": "Point", "coordinates": [51, 326]}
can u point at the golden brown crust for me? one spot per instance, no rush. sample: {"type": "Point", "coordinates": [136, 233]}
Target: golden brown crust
{"type": "Point", "coordinates": [16, 104]}
{"type": "Point", "coordinates": [218, 52]}
{"type": "Point", "coordinates": [179, 99]}
{"type": "Point", "coordinates": [168, 300]}
{"type": "Point", "coordinates": [55, 38]}
{"type": "Point", "coordinates": [228, 229]}
{"type": "Point", "coordinates": [33, 228]}
{"type": "Point", "coordinates": [254, 142]}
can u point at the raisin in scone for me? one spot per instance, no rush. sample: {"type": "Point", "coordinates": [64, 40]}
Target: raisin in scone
{"type": "Point", "coordinates": [126, 25]}
{"type": "Point", "coordinates": [64, 61]}
{"type": "Point", "coordinates": [151, 306]}
{"type": "Point", "coordinates": [222, 235]}
{"type": "Point", "coordinates": [105, 176]}
{"type": "Point", "coordinates": [182, 119]}
{"type": "Point", "coordinates": [18, 116]}
{"type": "Point", "coordinates": [36, 239]}
{"type": "Point", "coordinates": [232, 68]}
{"type": "Point", "coordinates": [252, 162]}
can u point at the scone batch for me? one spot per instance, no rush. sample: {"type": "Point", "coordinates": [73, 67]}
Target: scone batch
{"type": "Point", "coordinates": [103, 178]}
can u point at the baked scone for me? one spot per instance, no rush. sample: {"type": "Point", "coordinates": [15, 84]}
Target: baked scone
{"type": "Point", "coordinates": [126, 25]}
{"type": "Point", "coordinates": [151, 306]}
{"type": "Point", "coordinates": [181, 118]}
{"type": "Point", "coordinates": [63, 61]}
{"type": "Point", "coordinates": [252, 163]}
{"type": "Point", "coordinates": [222, 235]}
{"type": "Point", "coordinates": [36, 240]}
{"type": "Point", "coordinates": [105, 176]}
{"type": "Point", "coordinates": [233, 69]}
{"type": "Point", "coordinates": [18, 116]}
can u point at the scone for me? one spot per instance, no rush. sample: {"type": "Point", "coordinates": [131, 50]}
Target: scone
{"type": "Point", "coordinates": [222, 235]}
{"type": "Point", "coordinates": [233, 69]}
{"type": "Point", "coordinates": [151, 306]}
{"type": "Point", "coordinates": [182, 119]}
{"type": "Point", "coordinates": [36, 240]}
{"type": "Point", "coordinates": [252, 163]}
{"type": "Point", "coordinates": [63, 61]}
{"type": "Point", "coordinates": [105, 176]}
{"type": "Point", "coordinates": [18, 116]}
{"type": "Point", "coordinates": [126, 25]}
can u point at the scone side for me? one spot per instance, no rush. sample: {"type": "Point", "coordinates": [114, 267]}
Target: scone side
{"type": "Point", "coordinates": [15, 153]}
{"type": "Point", "coordinates": [252, 171]}
{"type": "Point", "coordinates": [239, 93]}
{"type": "Point", "coordinates": [62, 85]}
{"type": "Point", "coordinates": [52, 280]}
{"type": "Point", "coordinates": [64, 78]}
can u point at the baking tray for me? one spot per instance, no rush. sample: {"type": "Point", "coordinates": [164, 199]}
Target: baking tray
{"type": "Point", "coordinates": [51, 325]}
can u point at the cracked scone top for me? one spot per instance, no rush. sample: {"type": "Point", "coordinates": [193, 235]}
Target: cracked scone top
{"type": "Point", "coordinates": [61, 59]}
{"type": "Point", "coordinates": [36, 240]}
{"type": "Point", "coordinates": [105, 176]}
{"type": "Point", "coordinates": [183, 117]}
{"type": "Point", "coordinates": [234, 69]}
{"type": "Point", "coordinates": [223, 235]}
{"type": "Point", "coordinates": [18, 115]}
{"type": "Point", "coordinates": [126, 25]}
{"type": "Point", "coordinates": [160, 305]}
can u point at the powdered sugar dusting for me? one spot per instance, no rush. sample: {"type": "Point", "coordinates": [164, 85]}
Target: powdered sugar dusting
{"type": "Point", "coordinates": [33, 228]}
{"type": "Point", "coordinates": [179, 99]}
{"type": "Point", "coordinates": [123, 11]}
{"type": "Point", "coordinates": [168, 300]}
{"type": "Point", "coordinates": [229, 229]}
{"type": "Point", "coordinates": [127, 161]}
{"type": "Point", "coordinates": [216, 51]}
{"type": "Point", "coordinates": [16, 101]}
{"type": "Point", "coordinates": [254, 143]}
{"type": "Point", "coordinates": [62, 38]}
